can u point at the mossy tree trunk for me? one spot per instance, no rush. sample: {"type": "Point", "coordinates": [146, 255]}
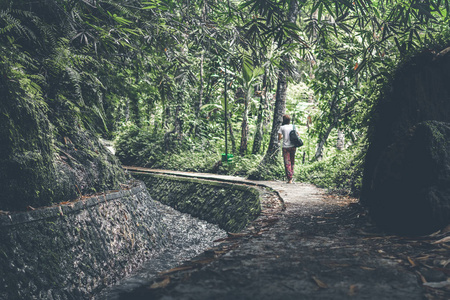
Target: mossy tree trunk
{"type": "Point", "coordinates": [263, 107]}
{"type": "Point", "coordinates": [280, 100]}
{"type": "Point", "coordinates": [244, 125]}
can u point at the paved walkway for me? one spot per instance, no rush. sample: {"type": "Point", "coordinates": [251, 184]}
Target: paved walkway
{"type": "Point", "coordinates": [319, 247]}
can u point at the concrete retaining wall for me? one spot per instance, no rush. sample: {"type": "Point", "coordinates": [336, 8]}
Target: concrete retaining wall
{"type": "Point", "coordinates": [230, 206]}
{"type": "Point", "coordinates": [73, 250]}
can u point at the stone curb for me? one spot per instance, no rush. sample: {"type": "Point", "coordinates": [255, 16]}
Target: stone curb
{"type": "Point", "coordinates": [59, 210]}
{"type": "Point", "coordinates": [205, 176]}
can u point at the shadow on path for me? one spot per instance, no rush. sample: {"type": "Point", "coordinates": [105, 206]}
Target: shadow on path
{"type": "Point", "coordinates": [318, 247]}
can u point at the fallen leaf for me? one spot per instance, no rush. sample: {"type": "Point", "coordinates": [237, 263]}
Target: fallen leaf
{"type": "Point", "coordinates": [421, 277]}
{"type": "Point", "coordinates": [446, 229]}
{"type": "Point", "coordinates": [437, 285]}
{"type": "Point", "coordinates": [261, 231]}
{"type": "Point", "coordinates": [435, 233]}
{"type": "Point", "coordinates": [352, 290]}
{"type": "Point", "coordinates": [367, 268]}
{"type": "Point", "coordinates": [425, 257]}
{"type": "Point", "coordinates": [320, 283]}
{"type": "Point", "coordinates": [161, 284]}
{"type": "Point", "coordinates": [444, 240]}
{"type": "Point", "coordinates": [444, 263]}
{"type": "Point", "coordinates": [411, 262]}
{"type": "Point", "coordinates": [220, 240]}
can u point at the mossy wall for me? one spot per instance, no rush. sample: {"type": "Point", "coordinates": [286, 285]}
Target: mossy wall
{"type": "Point", "coordinates": [72, 251]}
{"type": "Point", "coordinates": [232, 207]}
{"type": "Point", "coordinates": [26, 155]}
{"type": "Point", "coordinates": [47, 155]}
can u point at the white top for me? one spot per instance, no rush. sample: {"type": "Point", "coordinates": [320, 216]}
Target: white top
{"type": "Point", "coordinates": [285, 130]}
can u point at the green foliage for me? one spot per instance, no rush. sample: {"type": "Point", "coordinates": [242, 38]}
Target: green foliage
{"type": "Point", "coordinates": [51, 95]}
{"type": "Point", "coordinates": [72, 68]}
{"type": "Point", "coordinates": [268, 170]}
{"type": "Point", "coordinates": [137, 147]}
{"type": "Point", "coordinates": [242, 165]}
{"type": "Point", "coordinates": [26, 152]}
{"type": "Point", "coordinates": [142, 148]}
{"type": "Point", "coordinates": [340, 172]}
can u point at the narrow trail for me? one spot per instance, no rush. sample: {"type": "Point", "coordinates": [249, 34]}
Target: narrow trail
{"type": "Point", "coordinates": [318, 247]}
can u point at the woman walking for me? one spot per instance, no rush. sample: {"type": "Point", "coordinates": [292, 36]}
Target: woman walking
{"type": "Point", "coordinates": [288, 148]}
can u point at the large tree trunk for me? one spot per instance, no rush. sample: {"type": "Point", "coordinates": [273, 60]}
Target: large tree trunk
{"type": "Point", "coordinates": [165, 124]}
{"type": "Point", "coordinates": [244, 126]}
{"type": "Point", "coordinates": [230, 129]}
{"type": "Point", "coordinates": [257, 141]}
{"type": "Point", "coordinates": [166, 116]}
{"type": "Point", "coordinates": [279, 110]}
{"type": "Point", "coordinates": [178, 130]}
{"type": "Point", "coordinates": [280, 102]}
{"type": "Point", "coordinates": [200, 93]}
{"type": "Point", "coordinates": [322, 140]}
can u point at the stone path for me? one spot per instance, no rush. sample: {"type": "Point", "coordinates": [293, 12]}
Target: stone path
{"type": "Point", "coordinates": [319, 247]}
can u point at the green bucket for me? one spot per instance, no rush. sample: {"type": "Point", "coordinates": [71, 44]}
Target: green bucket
{"type": "Point", "coordinates": [226, 159]}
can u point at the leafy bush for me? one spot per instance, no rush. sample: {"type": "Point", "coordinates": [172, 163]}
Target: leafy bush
{"type": "Point", "coordinates": [139, 147]}
{"type": "Point", "coordinates": [340, 173]}
{"type": "Point", "coordinates": [268, 170]}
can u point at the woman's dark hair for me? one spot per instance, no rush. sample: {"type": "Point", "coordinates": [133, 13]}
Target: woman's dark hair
{"type": "Point", "coordinates": [286, 120]}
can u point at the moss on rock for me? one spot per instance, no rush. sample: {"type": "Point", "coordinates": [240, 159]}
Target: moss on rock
{"type": "Point", "coordinates": [405, 182]}
{"type": "Point", "coordinates": [230, 206]}
{"type": "Point", "coordinates": [46, 155]}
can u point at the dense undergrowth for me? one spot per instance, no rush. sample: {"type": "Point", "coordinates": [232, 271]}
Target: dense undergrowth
{"type": "Point", "coordinates": [139, 147]}
{"type": "Point", "coordinates": [340, 172]}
